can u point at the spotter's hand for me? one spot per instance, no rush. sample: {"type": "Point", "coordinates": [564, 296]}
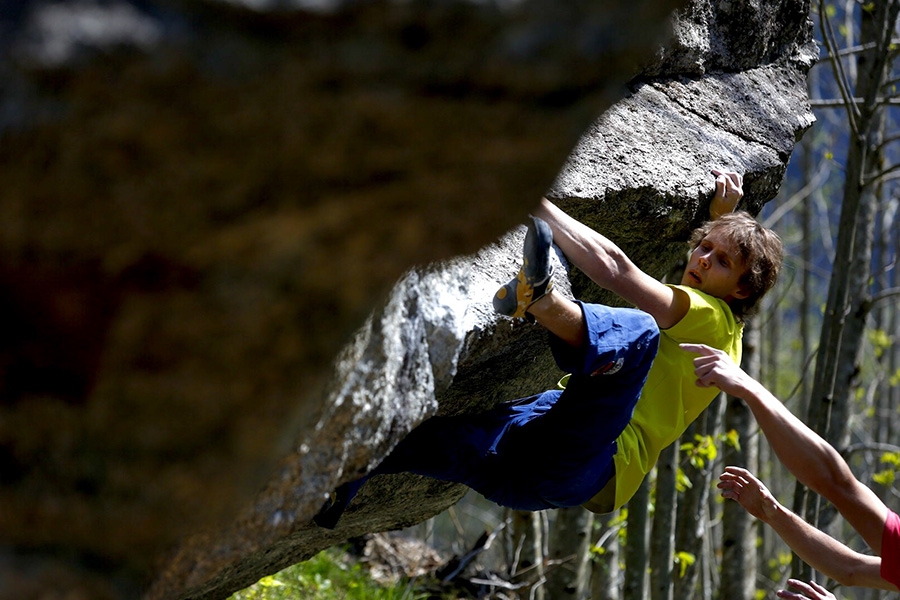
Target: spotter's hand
{"type": "Point", "coordinates": [714, 368]}
{"type": "Point", "coordinates": [808, 591]}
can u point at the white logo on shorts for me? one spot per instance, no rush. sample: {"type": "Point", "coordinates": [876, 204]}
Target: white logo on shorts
{"type": "Point", "coordinates": [610, 368]}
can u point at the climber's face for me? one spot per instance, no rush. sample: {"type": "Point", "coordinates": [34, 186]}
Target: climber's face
{"type": "Point", "coordinates": [715, 268]}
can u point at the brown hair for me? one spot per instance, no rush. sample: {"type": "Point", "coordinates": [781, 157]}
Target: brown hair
{"type": "Point", "coordinates": [759, 249]}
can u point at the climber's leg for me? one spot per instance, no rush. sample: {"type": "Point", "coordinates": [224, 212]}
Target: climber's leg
{"type": "Point", "coordinates": [461, 449]}
{"type": "Point", "coordinates": [618, 341]}
{"type": "Point", "coordinates": [572, 446]}
{"type": "Point", "coordinates": [550, 450]}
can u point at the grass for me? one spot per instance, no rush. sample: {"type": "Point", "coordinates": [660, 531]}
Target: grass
{"type": "Point", "coordinates": [326, 576]}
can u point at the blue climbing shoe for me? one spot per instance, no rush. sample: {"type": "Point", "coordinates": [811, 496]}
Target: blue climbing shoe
{"type": "Point", "coordinates": [331, 511]}
{"type": "Point", "coordinates": [534, 279]}
{"type": "Point", "coordinates": [334, 507]}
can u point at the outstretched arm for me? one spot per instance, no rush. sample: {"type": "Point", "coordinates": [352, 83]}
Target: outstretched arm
{"type": "Point", "coordinates": [810, 458]}
{"type": "Point", "coordinates": [819, 550]}
{"type": "Point", "coordinates": [608, 266]}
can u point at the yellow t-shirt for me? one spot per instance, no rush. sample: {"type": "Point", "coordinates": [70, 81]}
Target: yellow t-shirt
{"type": "Point", "coordinates": [671, 400]}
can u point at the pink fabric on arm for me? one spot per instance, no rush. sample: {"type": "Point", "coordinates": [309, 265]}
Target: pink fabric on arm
{"type": "Point", "coordinates": [890, 549]}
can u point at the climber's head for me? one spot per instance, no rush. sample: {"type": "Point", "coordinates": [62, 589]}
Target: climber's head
{"type": "Point", "coordinates": [734, 258]}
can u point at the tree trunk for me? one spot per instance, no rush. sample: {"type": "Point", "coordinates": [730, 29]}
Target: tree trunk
{"type": "Point", "coordinates": [605, 564]}
{"type": "Point", "coordinates": [636, 558]}
{"type": "Point", "coordinates": [886, 321]}
{"type": "Point", "coordinates": [662, 537]}
{"type": "Point", "coordinates": [526, 545]}
{"type": "Point", "coordinates": [892, 388]}
{"type": "Point", "coordinates": [738, 526]}
{"type": "Point", "coordinates": [693, 517]}
{"type": "Point", "coordinates": [568, 576]}
{"type": "Point", "coordinates": [805, 302]}
{"type": "Point", "coordinates": [848, 294]}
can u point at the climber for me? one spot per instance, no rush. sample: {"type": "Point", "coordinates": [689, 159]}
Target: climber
{"type": "Point", "coordinates": [818, 466]}
{"type": "Point", "coordinates": [594, 442]}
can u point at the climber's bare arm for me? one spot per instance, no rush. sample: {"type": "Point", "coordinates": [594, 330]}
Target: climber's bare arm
{"type": "Point", "coordinates": [608, 266]}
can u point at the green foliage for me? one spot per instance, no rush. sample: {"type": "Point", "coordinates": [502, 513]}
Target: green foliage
{"type": "Point", "coordinates": [891, 458]}
{"type": "Point", "coordinates": [617, 526]}
{"type": "Point", "coordinates": [702, 449]}
{"type": "Point", "coordinates": [621, 521]}
{"type": "Point", "coordinates": [732, 439]}
{"type": "Point", "coordinates": [682, 481]}
{"type": "Point", "coordinates": [887, 476]}
{"type": "Point", "coordinates": [323, 577]}
{"type": "Point", "coordinates": [779, 565]}
{"type": "Point", "coordinates": [880, 341]}
{"type": "Point", "coordinates": [684, 560]}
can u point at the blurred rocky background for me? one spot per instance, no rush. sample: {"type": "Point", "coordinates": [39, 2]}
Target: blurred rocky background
{"type": "Point", "coordinates": [247, 246]}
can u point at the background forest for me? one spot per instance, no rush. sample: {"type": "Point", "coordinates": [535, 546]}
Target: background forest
{"type": "Point", "coordinates": [825, 344]}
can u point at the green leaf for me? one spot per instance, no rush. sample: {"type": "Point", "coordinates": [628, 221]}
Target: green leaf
{"type": "Point", "coordinates": [880, 341]}
{"type": "Point", "coordinates": [684, 560]}
{"type": "Point", "coordinates": [733, 439]}
{"type": "Point", "coordinates": [891, 458]}
{"type": "Point", "coordinates": [704, 450]}
{"type": "Point", "coordinates": [682, 481]}
{"type": "Point", "coordinates": [885, 477]}
{"type": "Point", "coordinates": [269, 582]}
{"type": "Point", "coordinates": [710, 450]}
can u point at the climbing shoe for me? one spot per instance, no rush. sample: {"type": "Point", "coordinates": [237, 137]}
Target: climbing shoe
{"type": "Point", "coordinates": [330, 513]}
{"type": "Point", "coordinates": [534, 279]}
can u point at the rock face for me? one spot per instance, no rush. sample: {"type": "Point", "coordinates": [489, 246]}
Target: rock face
{"type": "Point", "coordinates": [244, 253]}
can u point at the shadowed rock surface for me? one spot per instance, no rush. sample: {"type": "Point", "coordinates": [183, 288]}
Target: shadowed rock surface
{"type": "Point", "coordinates": [210, 214]}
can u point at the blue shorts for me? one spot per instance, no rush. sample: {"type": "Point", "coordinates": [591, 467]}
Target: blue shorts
{"type": "Point", "coordinates": [551, 450]}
